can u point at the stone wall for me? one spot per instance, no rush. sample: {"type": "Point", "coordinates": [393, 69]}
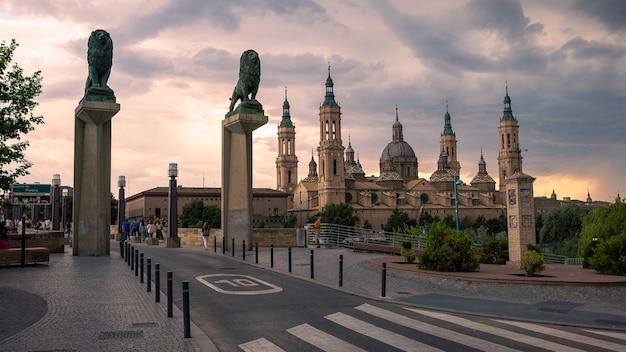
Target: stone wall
{"type": "Point", "coordinates": [53, 240]}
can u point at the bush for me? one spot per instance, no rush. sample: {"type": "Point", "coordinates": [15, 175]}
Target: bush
{"type": "Point", "coordinates": [532, 263]}
{"type": "Point", "coordinates": [447, 252]}
{"type": "Point", "coordinates": [408, 254]}
{"type": "Point", "coordinates": [495, 252]}
{"type": "Point", "coordinates": [609, 257]}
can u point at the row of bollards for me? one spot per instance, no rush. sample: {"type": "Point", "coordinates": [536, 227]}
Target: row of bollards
{"type": "Point", "coordinates": [312, 262]}
{"type": "Point", "coordinates": [135, 260]}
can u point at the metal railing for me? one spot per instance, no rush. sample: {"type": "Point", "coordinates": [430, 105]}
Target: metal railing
{"type": "Point", "coordinates": [561, 259]}
{"type": "Point", "coordinates": [345, 236]}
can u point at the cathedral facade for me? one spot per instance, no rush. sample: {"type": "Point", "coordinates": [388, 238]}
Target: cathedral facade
{"type": "Point", "coordinates": [338, 177]}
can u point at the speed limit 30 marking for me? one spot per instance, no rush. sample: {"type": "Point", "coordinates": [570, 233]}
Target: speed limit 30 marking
{"type": "Point", "coordinates": [231, 284]}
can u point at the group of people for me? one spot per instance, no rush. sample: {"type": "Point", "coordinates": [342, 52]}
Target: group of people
{"type": "Point", "coordinates": [154, 229]}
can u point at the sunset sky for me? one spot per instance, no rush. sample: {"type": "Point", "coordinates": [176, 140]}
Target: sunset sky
{"type": "Point", "coordinates": [175, 64]}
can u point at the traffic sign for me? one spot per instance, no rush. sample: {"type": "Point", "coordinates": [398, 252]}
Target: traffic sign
{"type": "Point", "coordinates": [22, 194]}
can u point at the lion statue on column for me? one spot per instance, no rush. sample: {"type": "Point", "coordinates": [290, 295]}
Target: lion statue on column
{"type": "Point", "coordinates": [100, 60]}
{"type": "Point", "coordinates": [249, 78]}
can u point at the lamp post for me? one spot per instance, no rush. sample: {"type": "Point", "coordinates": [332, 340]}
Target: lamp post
{"type": "Point", "coordinates": [172, 210]}
{"type": "Point", "coordinates": [64, 213]}
{"type": "Point", "coordinates": [56, 182]}
{"type": "Point", "coordinates": [121, 205]}
{"type": "Point", "coordinates": [456, 200]}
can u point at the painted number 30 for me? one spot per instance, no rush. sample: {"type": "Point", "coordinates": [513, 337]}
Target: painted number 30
{"type": "Point", "coordinates": [232, 284]}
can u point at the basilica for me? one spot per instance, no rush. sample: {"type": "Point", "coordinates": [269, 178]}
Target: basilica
{"type": "Point", "coordinates": [339, 178]}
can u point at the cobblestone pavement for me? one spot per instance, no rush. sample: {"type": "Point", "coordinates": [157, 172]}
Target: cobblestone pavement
{"type": "Point", "coordinates": [96, 303]}
{"type": "Point", "coordinates": [87, 304]}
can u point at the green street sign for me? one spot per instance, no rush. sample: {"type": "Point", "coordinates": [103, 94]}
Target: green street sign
{"type": "Point", "coordinates": [22, 194]}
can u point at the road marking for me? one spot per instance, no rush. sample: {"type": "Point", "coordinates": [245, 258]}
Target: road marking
{"type": "Point", "coordinates": [322, 340]}
{"type": "Point", "coordinates": [386, 336]}
{"type": "Point", "coordinates": [613, 334]}
{"type": "Point", "coordinates": [566, 335]}
{"type": "Point", "coordinates": [529, 340]}
{"type": "Point", "coordinates": [233, 284]}
{"type": "Point", "coordinates": [433, 329]}
{"type": "Point", "coordinates": [260, 345]}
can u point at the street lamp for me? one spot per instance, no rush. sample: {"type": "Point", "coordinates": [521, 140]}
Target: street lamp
{"type": "Point", "coordinates": [56, 182]}
{"type": "Point", "coordinates": [121, 205]}
{"type": "Point", "coordinates": [64, 216]}
{"type": "Point", "coordinates": [456, 200]}
{"type": "Point", "coordinates": [172, 210]}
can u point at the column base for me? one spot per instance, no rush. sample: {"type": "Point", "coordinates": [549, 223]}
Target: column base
{"type": "Point", "coordinates": [173, 242]}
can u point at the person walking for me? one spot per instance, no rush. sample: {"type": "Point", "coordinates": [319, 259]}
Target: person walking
{"type": "Point", "coordinates": [4, 238]}
{"type": "Point", "coordinates": [159, 230]}
{"type": "Point", "coordinates": [317, 230]}
{"type": "Point", "coordinates": [126, 229]}
{"type": "Point", "coordinates": [142, 230]}
{"type": "Point", "coordinates": [68, 232]}
{"type": "Point", "coordinates": [205, 235]}
{"type": "Point", "coordinates": [151, 229]}
{"type": "Point", "coordinates": [134, 227]}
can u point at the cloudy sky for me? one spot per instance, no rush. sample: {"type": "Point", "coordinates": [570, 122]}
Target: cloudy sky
{"type": "Point", "coordinates": [176, 62]}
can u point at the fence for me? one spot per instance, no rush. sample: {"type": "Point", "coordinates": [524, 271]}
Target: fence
{"type": "Point", "coordinates": [345, 236]}
{"type": "Point", "coordinates": [561, 259]}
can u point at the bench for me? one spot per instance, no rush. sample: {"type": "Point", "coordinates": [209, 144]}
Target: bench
{"type": "Point", "coordinates": [375, 247]}
{"type": "Point", "coordinates": [33, 255]}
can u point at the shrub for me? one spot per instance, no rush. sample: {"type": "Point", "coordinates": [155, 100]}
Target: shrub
{"type": "Point", "coordinates": [447, 252]}
{"type": "Point", "coordinates": [532, 263]}
{"type": "Point", "coordinates": [495, 252]}
{"type": "Point", "coordinates": [408, 254]}
{"type": "Point", "coordinates": [609, 257]}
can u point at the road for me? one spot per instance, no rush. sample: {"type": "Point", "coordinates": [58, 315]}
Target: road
{"type": "Point", "coordinates": [244, 307]}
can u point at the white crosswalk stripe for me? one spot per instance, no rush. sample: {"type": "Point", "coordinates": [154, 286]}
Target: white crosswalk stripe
{"type": "Point", "coordinates": [566, 335]}
{"type": "Point", "coordinates": [529, 340]}
{"type": "Point", "coordinates": [322, 340]}
{"type": "Point", "coordinates": [433, 329]}
{"type": "Point", "coordinates": [328, 342]}
{"type": "Point", "coordinates": [386, 336]}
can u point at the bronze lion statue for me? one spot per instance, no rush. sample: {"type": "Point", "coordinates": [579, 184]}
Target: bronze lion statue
{"type": "Point", "coordinates": [249, 78]}
{"type": "Point", "coordinates": [99, 58]}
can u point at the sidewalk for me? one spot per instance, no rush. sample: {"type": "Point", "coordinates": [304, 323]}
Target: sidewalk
{"type": "Point", "coordinates": [98, 304]}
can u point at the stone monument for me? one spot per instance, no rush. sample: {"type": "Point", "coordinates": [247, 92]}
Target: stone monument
{"type": "Point", "coordinates": [92, 152]}
{"type": "Point", "coordinates": [237, 128]}
{"type": "Point", "coordinates": [521, 216]}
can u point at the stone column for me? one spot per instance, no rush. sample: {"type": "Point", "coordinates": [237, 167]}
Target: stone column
{"type": "Point", "coordinates": [92, 177]}
{"type": "Point", "coordinates": [521, 216]}
{"type": "Point", "coordinates": [237, 210]}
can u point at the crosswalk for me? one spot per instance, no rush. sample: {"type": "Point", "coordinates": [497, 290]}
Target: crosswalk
{"type": "Point", "coordinates": [445, 331]}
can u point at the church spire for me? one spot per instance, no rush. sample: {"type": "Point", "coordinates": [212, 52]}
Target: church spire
{"type": "Point", "coordinates": [508, 112]}
{"type": "Point", "coordinates": [329, 98]}
{"type": "Point", "coordinates": [397, 134]}
{"type": "Point", "coordinates": [447, 127]}
{"type": "Point", "coordinates": [286, 121]}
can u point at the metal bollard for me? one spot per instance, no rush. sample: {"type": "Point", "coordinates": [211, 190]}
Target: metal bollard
{"type": "Point", "coordinates": [136, 262]}
{"type": "Point", "coordinates": [169, 294]}
{"type": "Point", "coordinates": [149, 276]}
{"type": "Point", "coordinates": [233, 247]}
{"type": "Point", "coordinates": [312, 266]}
{"type": "Point", "coordinates": [214, 244]}
{"type": "Point", "coordinates": [186, 309]}
{"type": "Point", "coordinates": [122, 249]}
{"type": "Point", "coordinates": [128, 254]}
{"type": "Point", "coordinates": [141, 268]}
{"type": "Point", "coordinates": [157, 282]}
{"type": "Point", "coordinates": [340, 270]}
{"type": "Point", "coordinates": [289, 260]}
{"type": "Point", "coordinates": [244, 250]}
{"type": "Point", "coordinates": [384, 281]}
{"type": "Point", "coordinates": [256, 252]}
{"type": "Point", "coordinates": [223, 245]}
{"type": "Point", "coordinates": [131, 258]}
{"type": "Point", "coordinates": [271, 255]}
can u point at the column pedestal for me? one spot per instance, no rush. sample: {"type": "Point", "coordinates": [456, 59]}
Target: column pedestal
{"type": "Point", "coordinates": [92, 177]}
{"type": "Point", "coordinates": [237, 210]}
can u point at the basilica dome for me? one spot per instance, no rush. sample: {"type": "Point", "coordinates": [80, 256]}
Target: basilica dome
{"type": "Point", "coordinates": [397, 149]}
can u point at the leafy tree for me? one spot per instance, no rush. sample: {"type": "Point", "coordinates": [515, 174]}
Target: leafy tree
{"type": "Point", "coordinates": [495, 251]}
{"type": "Point", "coordinates": [480, 221]}
{"type": "Point", "coordinates": [192, 213]}
{"type": "Point", "coordinates": [562, 223]}
{"type": "Point", "coordinates": [114, 204]}
{"type": "Point", "coordinates": [447, 252]}
{"type": "Point", "coordinates": [466, 223]}
{"type": "Point", "coordinates": [426, 219]}
{"type": "Point", "coordinates": [289, 220]}
{"type": "Point", "coordinates": [367, 225]}
{"type": "Point", "coordinates": [603, 239]}
{"type": "Point", "coordinates": [17, 94]}
{"type": "Point", "coordinates": [450, 221]}
{"type": "Point", "coordinates": [340, 214]}
{"type": "Point", "coordinates": [609, 257]}
{"type": "Point", "coordinates": [213, 215]}
{"type": "Point", "coordinates": [398, 220]}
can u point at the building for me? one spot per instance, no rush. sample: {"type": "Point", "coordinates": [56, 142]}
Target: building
{"type": "Point", "coordinates": [339, 178]}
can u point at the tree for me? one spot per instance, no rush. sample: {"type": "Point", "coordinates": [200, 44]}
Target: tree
{"type": "Point", "coordinates": [289, 220]}
{"type": "Point", "coordinates": [17, 94]}
{"type": "Point", "coordinates": [562, 223]}
{"type": "Point", "coordinates": [398, 220]}
{"type": "Point", "coordinates": [212, 214]}
{"type": "Point", "coordinates": [114, 204]}
{"type": "Point", "coordinates": [340, 214]}
{"type": "Point", "coordinates": [192, 213]}
{"type": "Point", "coordinates": [603, 239]}
{"type": "Point", "coordinates": [447, 252]}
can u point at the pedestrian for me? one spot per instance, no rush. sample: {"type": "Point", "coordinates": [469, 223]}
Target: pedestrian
{"type": "Point", "coordinates": [4, 238]}
{"type": "Point", "coordinates": [126, 228]}
{"type": "Point", "coordinates": [159, 230]}
{"type": "Point", "coordinates": [317, 230]}
{"type": "Point", "coordinates": [142, 230]}
{"type": "Point", "coordinates": [151, 229]}
{"type": "Point", "coordinates": [134, 227]}
{"type": "Point", "coordinates": [205, 235]}
{"type": "Point", "coordinates": [68, 232]}
{"type": "Point", "coordinates": [47, 222]}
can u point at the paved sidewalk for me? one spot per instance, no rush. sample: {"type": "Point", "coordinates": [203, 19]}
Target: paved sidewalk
{"type": "Point", "coordinates": [87, 304]}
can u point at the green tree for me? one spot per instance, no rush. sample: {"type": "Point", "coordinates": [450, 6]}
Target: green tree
{"type": "Point", "coordinates": [114, 204]}
{"type": "Point", "coordinates": [447, 252]}
{"type": "Point", "coordinates": [603, 239]}
{"type": "Point", "coordinates": [367, 224]}
{"type": "Point", "coordinates": [289, 220]}
{"type": "Point", "coordinates": [426, 219]}
{"type": "Point", "coordinates": [212, 214]}
{"type": "Point", "coordinates": [450, 221]}
{"type": "Point", "coordinates": [192, 213]}
{"type": "Point", "coordinates": [340, 214]}
{"type": "Point", "coordinates": [562, 223]}
{"type": "Point", "coordinates": [17, 94]}
{"type": "Point", "coordinates": [398, 220]}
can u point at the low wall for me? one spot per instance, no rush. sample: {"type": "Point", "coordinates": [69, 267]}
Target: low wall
{"type": "Point", "coordinates": [53, 240]}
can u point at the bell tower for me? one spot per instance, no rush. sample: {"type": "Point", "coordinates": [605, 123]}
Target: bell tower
{"type": "Point", "coordinates": [447, 143]}
{"type": "Point", "coordinates": [510, 155]}
{"type": "Point", "coordinates": [286, 162]}
{"type": "Point", "coordinates": [331, 179]}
